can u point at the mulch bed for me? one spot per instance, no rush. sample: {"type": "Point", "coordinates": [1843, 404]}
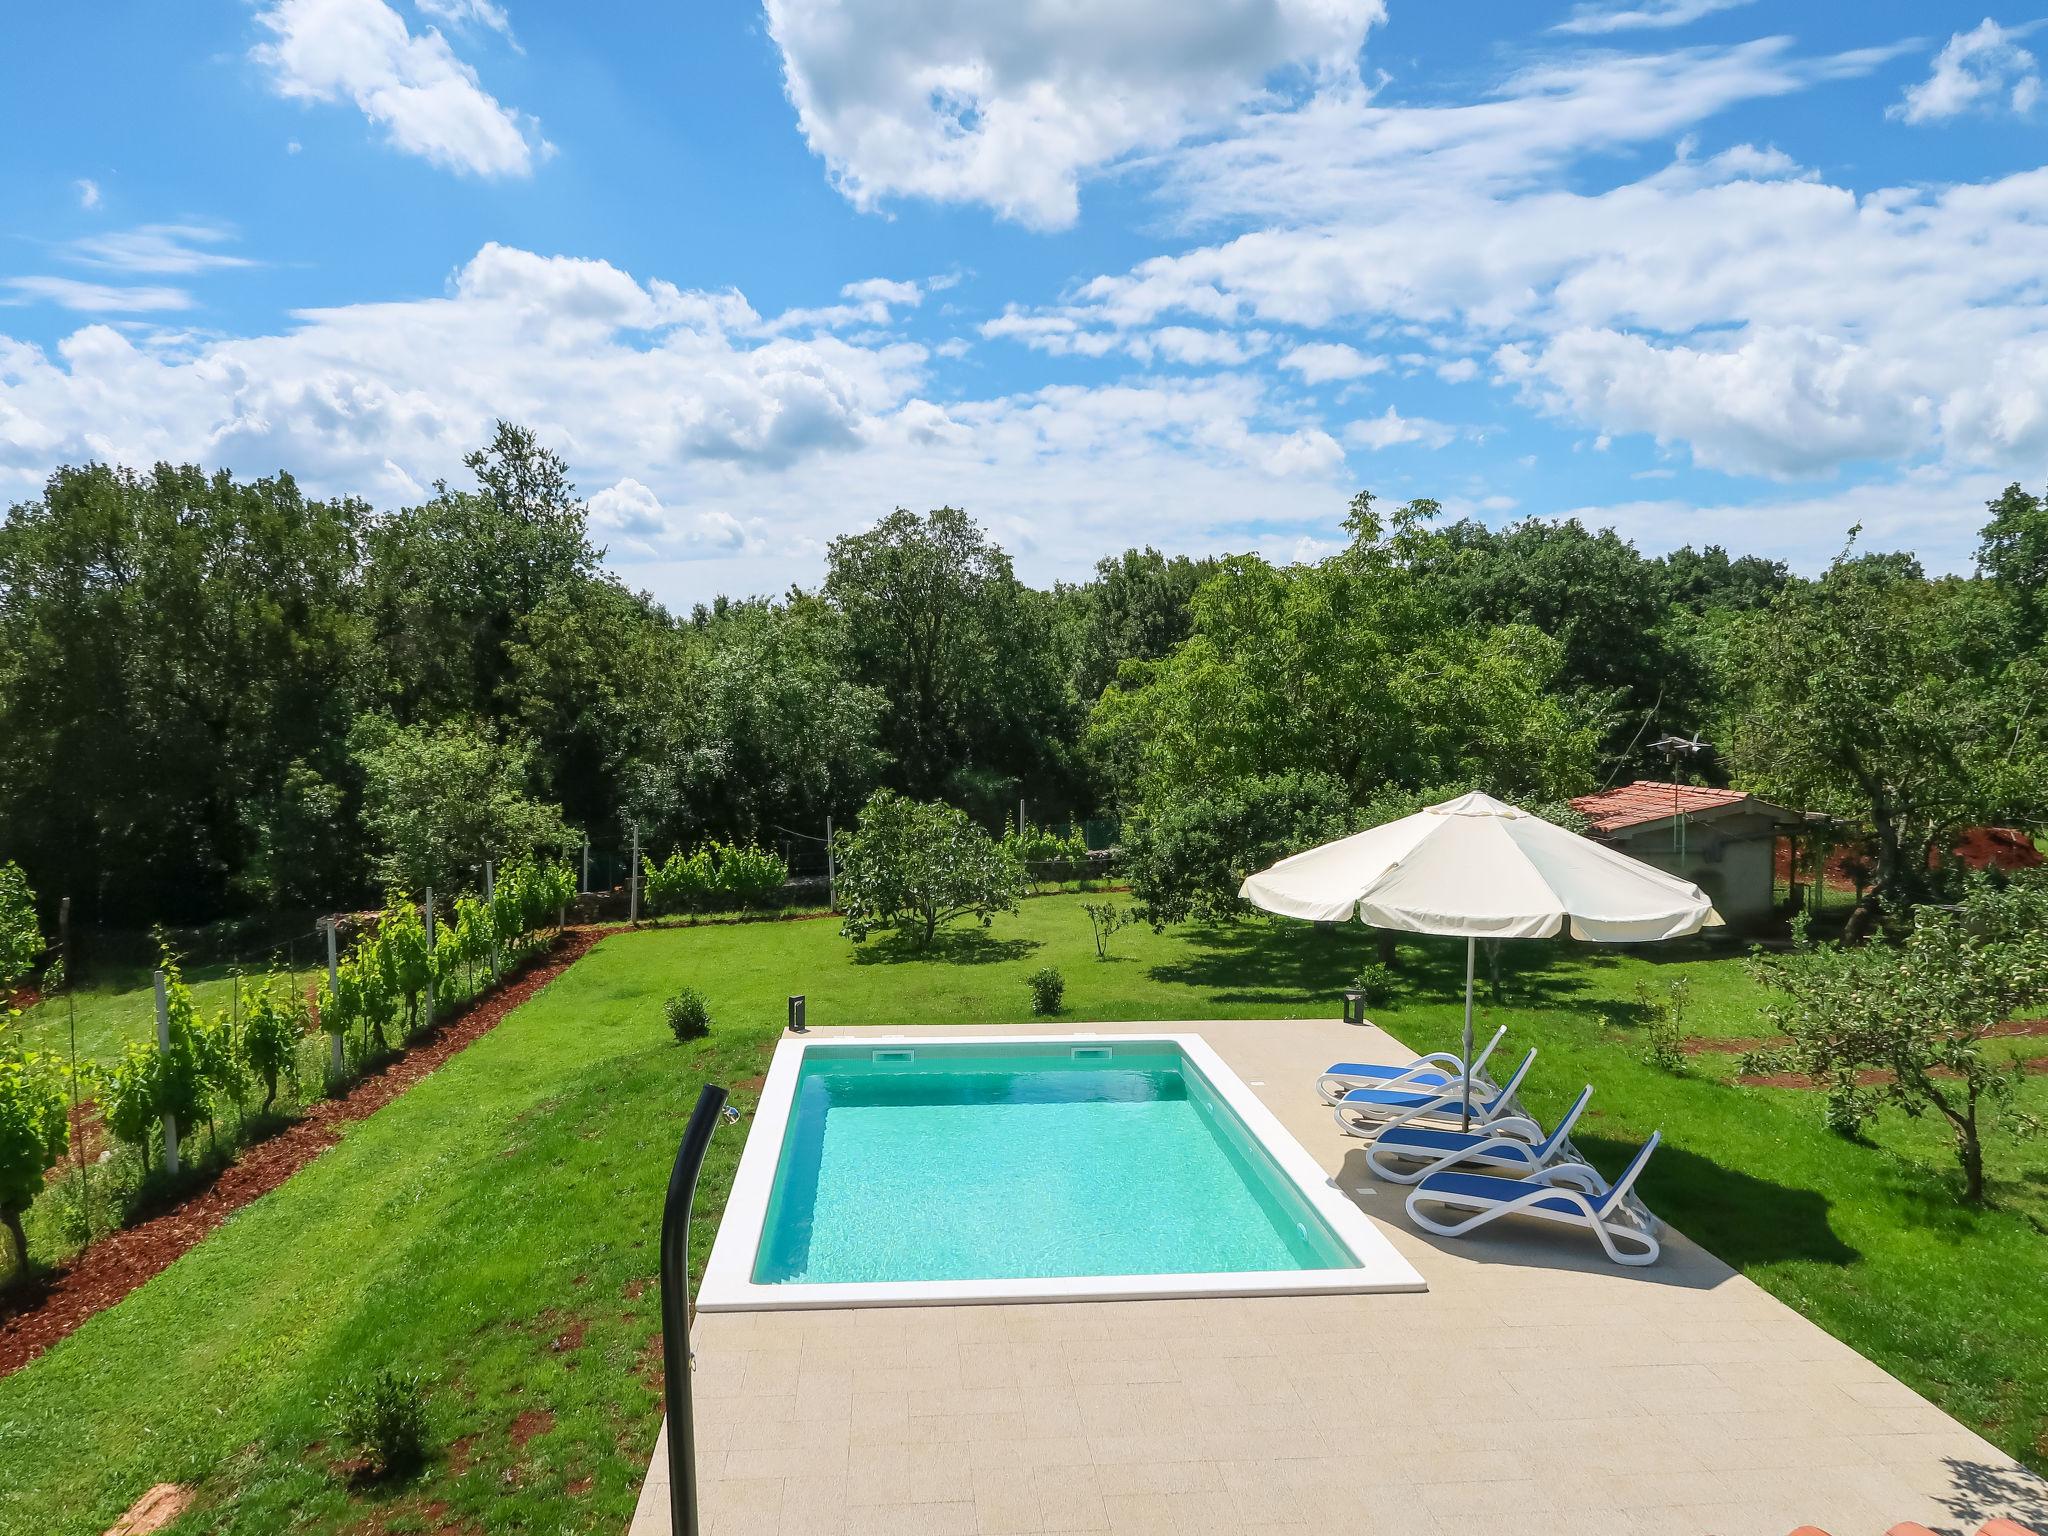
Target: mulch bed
{"type": "Point", "coordinates": [39, 1312]}
{"type": "Point", "coordinates": [2018, 1029]}
{"type": "Point", "coordinates": [2033, 1066]}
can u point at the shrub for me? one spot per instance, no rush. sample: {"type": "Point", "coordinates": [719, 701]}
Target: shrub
{"type": "Point", "coordinates": [688, 1014]}
{"type": "Point", "coordinates": [273, 1021]}
{"type": "Point", "coordinates": [916, 864]}
{"type": "Point", "coordinates": [127, 1093]}
{"type": "Point", "coordinates": [34, 1131]}
{"type": "Point", "coordinates": [382, 1419]}
{"type": "Point", "coordinates": [1375, 983]}
{"type": "Point", "coordinates": [404, 957]}
{"type": "Point", "coordinates": [20, 939]}
{"type": "Point", "coordinates": [718, 877]}
{"type": "Point", "coordinates": [1048, 990]}
{"type": "Point", "coordinates": [1665, 1014]}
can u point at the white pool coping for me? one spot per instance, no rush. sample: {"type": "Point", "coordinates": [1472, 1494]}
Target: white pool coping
{"type": "Point", "coordinates": [729, 1286]}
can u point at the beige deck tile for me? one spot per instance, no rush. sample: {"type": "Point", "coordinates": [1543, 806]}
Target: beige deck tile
{"type": "Point", "coordinates": [1532, 1389]}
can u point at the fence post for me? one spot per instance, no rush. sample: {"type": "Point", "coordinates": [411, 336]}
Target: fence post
{"type": "Point", "coordinates": [491, 901]}
{"type": "Point", "coordinates": [430, 957]}
{"type": "Point", "coordinates": [585, 891]}
{"type": "Point", "coordinates": [831, 871]}
{"type": "Point", "coordinates": [163, 1042]}
{"type": "Point", "coordinates": [633, 880]}
{"type": "Point", "coordinates": [1020, 815]}
{"type": "Point", "coordinates": [340, 1063]}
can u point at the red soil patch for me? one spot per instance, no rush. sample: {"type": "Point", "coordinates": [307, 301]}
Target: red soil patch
{"type": "Point", "coordinates": [24, 999]}
{"type": "Point", "coordinates": [2018, 1029]}
{"type": "Point", "coordinates": [531, 1422]}
{"type": "Point", "coordinates": [580, 1486]}
{"type": "Point", "coordinates": [752, 1084]}
{"type": "Point", "coordinates": [35, 1315]}
{"type": "Point", "coordinates": [1869, 1077]}
{"type": "Point", "coordinates": [153, 1511]}
{"type": "Point", "coordinates": [570, 1338]}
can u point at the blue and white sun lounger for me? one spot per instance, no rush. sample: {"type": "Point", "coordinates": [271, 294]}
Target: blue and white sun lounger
{"type": "Point", "coordinates": [1408, 1154]}
{"type": "Point", "coordinates": [1569, 1193]}
{"type": "Point", "coordinates": [1431, 1071]}
{"type": "Point", "coordinates": [1363, 1111]}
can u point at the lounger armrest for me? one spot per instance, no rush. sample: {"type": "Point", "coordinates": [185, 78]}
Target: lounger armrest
{"type": "Point", "coordinates": [1516, 1128]}
{"type": "Point", "coordinates": [1571, 1176]}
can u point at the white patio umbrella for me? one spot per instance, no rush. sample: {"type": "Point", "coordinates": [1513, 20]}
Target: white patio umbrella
{"type": "Point", "coordinates": [1485, 869]}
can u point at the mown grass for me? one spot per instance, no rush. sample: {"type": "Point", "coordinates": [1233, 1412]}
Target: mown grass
{"type": "Point", "coordinates": [513, 1198]}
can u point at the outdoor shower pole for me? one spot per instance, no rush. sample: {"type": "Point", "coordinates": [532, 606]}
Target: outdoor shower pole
{"type": "Point", "coordinates": [675, 1308]}
{"type": "Point", "coordinates": [1465, 1119]}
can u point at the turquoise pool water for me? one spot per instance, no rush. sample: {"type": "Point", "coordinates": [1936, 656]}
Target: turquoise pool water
{"type": "Point", "coordinates": [1011, 1160]}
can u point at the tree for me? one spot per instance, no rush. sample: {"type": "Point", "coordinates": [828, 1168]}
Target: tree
{"type": "Point", "coordinates": [173, 643]}
{"type": "Point", "coordinates": [1349, 668]}
{"type": "Point", "coordinates": [914, 865]}
{"type": "Point", "coordinates": [1905, 1023]}
{"type": "Point", "coordinates": [974, 690]}
{"type": "Point", "coordinates": [1186, 858]}
{"type": "Point", "coordinates": [1896, 703]}
{"type": "Point", "coordinates": [757, 722]}
{"type": "Point", "coordinates": [1138, 608]}
{"type": "Point", "coordinates": [2013, 554]}
{"type": "Point", "coordinates": [439, 801]}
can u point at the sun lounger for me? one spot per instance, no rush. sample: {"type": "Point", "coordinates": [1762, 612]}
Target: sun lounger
{"type": "Point", "coordinates": [1562, 1193]}
{"type": "Point", "coordinates": [1366, 1111]}
{"type": "Point", "coordinates": [1513, 1144]}
{"type": "Point", "coordinates": [1431, 1071]}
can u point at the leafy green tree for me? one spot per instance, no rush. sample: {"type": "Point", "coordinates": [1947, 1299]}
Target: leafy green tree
{"type": "Point", "coordinates": [1906, 1023]}
{"type": "Point", "coordinates": [438, 801]}
{"type": "Point", "coordinates": [35, 1129]}
{"type": "Point", "coordinates": [1896, 703]}
{"type": "Point", "coordinates": [1187, 858]}
{"type": "Point", "coordinates": [1138, 608]}
{"type": "Point", "coordinates": [173, 643]}
{"type": "Point", "coordinates": [2013, 554]}
{"type": "Point", "coordinates": [758, 722]}
{"type": "Point", "coordinates": [964, 656]}
{"type": "Point", "coordinates": [1705, 579]}
{"type": "Point", "coordinates": [1347, 668]}
{"type": "Point", "coordinates": [914, 865]}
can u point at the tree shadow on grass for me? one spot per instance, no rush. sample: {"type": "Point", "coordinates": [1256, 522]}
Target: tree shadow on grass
{"type": "Point", "coordinates": [1257, 961]}
{"type": "Point", "coordinates": [949, 946]}
{"type": "Point", "coordinates": [1738, 1217]}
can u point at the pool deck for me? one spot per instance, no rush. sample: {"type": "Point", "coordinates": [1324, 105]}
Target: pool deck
{"type": "Point", "coordinates": [1533, 1388]}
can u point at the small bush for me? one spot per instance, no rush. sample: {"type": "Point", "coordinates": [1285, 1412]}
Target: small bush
{"type": "Point", "coordinates": [382, 1419]}
{"type": "Point", "coordinates": [1375, 983]}
{"type": "Point", "coordinates": [1665, 1013]}
{"type": "Point", "coordinates": [1048, 989]}
{"type": "Point", "coordinates": [688, 1014]}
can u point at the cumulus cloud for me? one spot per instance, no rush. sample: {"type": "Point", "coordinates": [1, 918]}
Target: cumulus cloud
{"type": "Point", "coordinates": [713, 437]}
{"type": "Point", "coordinates": [1645, 14]}
{"type": "Point", "coordinates": [412, 85]}
{"type": "Point", "coordinates": [1979, 70]}
{"type": "Point", "coordinates": [1318, 362]}
{"type": "Point", "coordinates": [1009, 106]}
{"type": "Point", "coordinates": [1390, 429]}
{"type": "Point", "coordinates": [469, 14]}
{"type": "Point", "coordinates": [88, 192]}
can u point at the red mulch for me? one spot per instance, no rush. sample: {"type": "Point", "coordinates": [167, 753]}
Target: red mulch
{"type": "Point", "coordinates": [2016, 1030]}
{"type": "Point", "coordinates": [2033, 1066]}
{"type": "Point", "coordinates": [39, 1312]}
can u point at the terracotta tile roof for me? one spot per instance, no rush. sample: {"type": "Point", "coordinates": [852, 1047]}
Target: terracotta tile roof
{"type": "Point", "coordinates": [1630, 805]}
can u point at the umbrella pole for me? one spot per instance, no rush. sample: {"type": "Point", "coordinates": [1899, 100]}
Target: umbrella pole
{"type": "Point", "coordinates": [1465, 1120]}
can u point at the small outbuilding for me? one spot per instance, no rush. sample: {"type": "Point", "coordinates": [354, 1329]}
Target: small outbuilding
{"type": "Point", "coordinates": [1722, 840]}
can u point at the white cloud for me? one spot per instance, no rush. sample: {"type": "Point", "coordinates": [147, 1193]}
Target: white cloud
{"type": "Point", "coordinates": [88, 192]}
{"type": "Point", "coordinates": [870, 301]}
{"type": "Point", "coordinates": [428, 102]}
{"type": "Point", "coordinates": [469, 14]}
{"type": "Point", "coordinates": [1009, 106]}
{"type": "Point", "coordinates": [726, 454]}
{"type": "Point", "coordinates": [1981, 69]}
{"type": "Point", "coordinates": [1391, 429]}
{"type": "Point", "coordinates": [98, 298]}
{"type": "Point", "coordinates": [1644, 14]}
{"type": "Point", "coordinates": [158, 248]}
{"type": "Point", "coordinates": [1318, 362]}
{"type": "Point", "coordinates": [1193, 347]}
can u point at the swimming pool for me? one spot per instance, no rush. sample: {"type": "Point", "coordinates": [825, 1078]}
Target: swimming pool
{"type": "Point", "coordinates": [1022, 1168]}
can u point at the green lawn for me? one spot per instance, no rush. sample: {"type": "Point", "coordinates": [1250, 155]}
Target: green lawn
{"type": "Point", "coordinates": [512, 1199]}
{"type": "Point", "coordinates": [118, 1008]}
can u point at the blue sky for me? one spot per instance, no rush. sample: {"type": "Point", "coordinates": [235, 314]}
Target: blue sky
{"type": "Point", "coordinates": [1187, 275]}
